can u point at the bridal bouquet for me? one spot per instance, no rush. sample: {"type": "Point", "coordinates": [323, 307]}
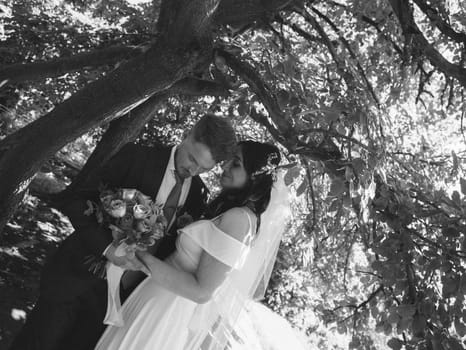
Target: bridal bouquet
{"type": "Point", "coordinates": [135, 220]}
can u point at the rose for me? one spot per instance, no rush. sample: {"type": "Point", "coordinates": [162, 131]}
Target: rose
{"type": "Point", "coordinates": [143, 225]}
{"type": "Point", "coordinates": [126, 222]}
{"type": "Point", "coordinates": [141, 211]}
{"type": "Point", "coordinates": [128, 194]}
{"type": "Point", "coordinates": [117, 208]}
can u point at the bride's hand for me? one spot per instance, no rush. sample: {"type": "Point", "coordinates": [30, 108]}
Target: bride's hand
{"type": "Point", "coordinates": [125, 262]}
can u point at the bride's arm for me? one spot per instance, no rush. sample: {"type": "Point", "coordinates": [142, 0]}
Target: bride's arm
{"type": "Point", "coordinates": [199, 286]}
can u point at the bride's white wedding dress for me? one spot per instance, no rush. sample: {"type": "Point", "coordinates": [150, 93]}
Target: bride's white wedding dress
{"type": "Point", "coordinates": [156, 318]}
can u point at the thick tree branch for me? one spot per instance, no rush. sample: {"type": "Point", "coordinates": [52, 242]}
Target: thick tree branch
{"type": "Point", "coordinates": [301, 32]}
{"type": "Point", "coordinates": [438, 21]}
{"type": "Point", "coordinates": [112, 96]}
{"type": "Point", "coordinates": [127, 128]}
{"type": "Point", "coordinates": [249, 74]}
{"type": "Point", "coordinates": [280, 128]}
{"type": "Point", "coordinates": [413, 35]}
{"type": "Point", "coordinates": [17, 73]}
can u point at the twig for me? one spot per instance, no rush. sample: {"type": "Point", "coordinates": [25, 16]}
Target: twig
{"type": "Point", "coordinates": [438, 21]}
{"type": "Point", "coordinates": [351, 52]}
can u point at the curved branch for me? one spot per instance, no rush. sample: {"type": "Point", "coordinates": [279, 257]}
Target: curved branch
{"type": "Point", "coordinates": [371, 22]}
{"type": "Point", "coordinates": [413, 34]}
{"type": "Point", "coordinates": [341, 65]}
{"type": "Point", "coordinates": [444, 28]}
{"type": "Point", "coordinates": [248, 73]}
{"type": "Point", "coordinates": [301, 32]}
{"type": "Point", "coordinates": [351, 52]}
{"type": "Point", "coordinates": [17, 73]}
{"type": "Point", "coordinates": [127, 128]}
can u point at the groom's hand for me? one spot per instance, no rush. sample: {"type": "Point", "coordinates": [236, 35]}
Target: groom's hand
{"type": "Point", "coordinates": [123, 261]}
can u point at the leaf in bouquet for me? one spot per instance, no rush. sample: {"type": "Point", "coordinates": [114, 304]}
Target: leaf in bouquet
{"type": "Point", "coordinates": [90, 208]}
{"type": "Point", "coordinates": [156, 209]}
{"type": "Point", "coordinates": [117, 233]}
{"type": "Point", "coordinates": [96, 265]}
{"type": "Point", "coordinates": [99, 216]}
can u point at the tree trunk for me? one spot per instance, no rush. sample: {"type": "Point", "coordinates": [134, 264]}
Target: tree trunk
{"type": "Point", "coordinates": [22, 153]}
{"type": "Point", "coordinates": [184, 46]}
{"type": "Point", "coordinates": [17, 73]}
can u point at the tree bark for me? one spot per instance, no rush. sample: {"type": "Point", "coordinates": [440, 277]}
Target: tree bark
{"type": "Point", "coordinates": [17, 73]}
{"type": "Point", "coordinates": [181, 49]}
{"type": "Point", "coordinates": [166, 62]}
{"type": "Point", "coordinates": [440, 23]}
{"type": "Point", "coordinates": [127, 128]}
{"type": "Point", "coordinates": [404, 14]}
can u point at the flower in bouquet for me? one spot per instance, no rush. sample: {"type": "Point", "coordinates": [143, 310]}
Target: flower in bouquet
{"type": "Point", "coordinates": [141, 211]}
{"type": "Point", "coordinates": [135, 220]}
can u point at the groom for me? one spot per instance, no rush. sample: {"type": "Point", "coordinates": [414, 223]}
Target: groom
{"type": "Point", "coordinates": [72, 303]}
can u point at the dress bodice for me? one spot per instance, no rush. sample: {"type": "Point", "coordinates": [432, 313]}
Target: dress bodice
{"type": "Point", "coordinates": [204, 235]}
{"type": "Point", "coordinates": [187, 254]}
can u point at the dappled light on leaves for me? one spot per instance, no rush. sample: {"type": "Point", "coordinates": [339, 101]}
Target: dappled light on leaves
{"type": "Point", "coordinates": [364, 98]}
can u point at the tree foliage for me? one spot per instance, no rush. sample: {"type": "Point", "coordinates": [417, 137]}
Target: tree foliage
{"type": "Point", "coordinates": [366, 100]}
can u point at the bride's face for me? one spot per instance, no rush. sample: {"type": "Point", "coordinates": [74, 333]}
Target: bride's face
{"type": "Point", "coordinates": [234, 175]}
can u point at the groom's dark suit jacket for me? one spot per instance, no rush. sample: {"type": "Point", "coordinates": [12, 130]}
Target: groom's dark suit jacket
{"type": "Point", "coordinates": [72, 303]}
{"type": "Point", "coordinates": [65, 275]}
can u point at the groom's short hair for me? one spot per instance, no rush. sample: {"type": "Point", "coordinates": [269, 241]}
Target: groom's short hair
{"type": "Point", "coordinates": [217, 134]}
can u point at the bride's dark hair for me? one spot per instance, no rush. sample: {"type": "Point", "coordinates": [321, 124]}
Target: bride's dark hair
{"type": "Point", "coordinates": [259, 159]}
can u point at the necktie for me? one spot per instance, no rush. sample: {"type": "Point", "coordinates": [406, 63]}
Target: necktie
{"type": "Point", "coordinates": [171, 204]}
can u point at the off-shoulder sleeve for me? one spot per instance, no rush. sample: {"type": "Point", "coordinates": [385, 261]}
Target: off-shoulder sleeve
{"type": "Point", "coordinates": [217, 243]}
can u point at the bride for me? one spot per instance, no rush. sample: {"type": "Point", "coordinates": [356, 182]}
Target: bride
{"type": "Point", "coordinates": [192, 299]}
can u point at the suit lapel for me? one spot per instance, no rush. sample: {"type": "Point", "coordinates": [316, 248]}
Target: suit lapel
{"type": "Point", "coordinates": [156, 164]}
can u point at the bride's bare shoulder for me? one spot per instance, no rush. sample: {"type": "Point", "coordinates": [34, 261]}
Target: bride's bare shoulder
{"type": "Point", "coordinates": [235, 222]}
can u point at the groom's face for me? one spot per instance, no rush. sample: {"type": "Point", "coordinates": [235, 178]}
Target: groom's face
{"type": "Point", "coordinates": [193, 158]}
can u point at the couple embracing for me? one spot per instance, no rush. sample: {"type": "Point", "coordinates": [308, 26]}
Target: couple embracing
{"type": "Point", "coordinates": [186, 291]}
